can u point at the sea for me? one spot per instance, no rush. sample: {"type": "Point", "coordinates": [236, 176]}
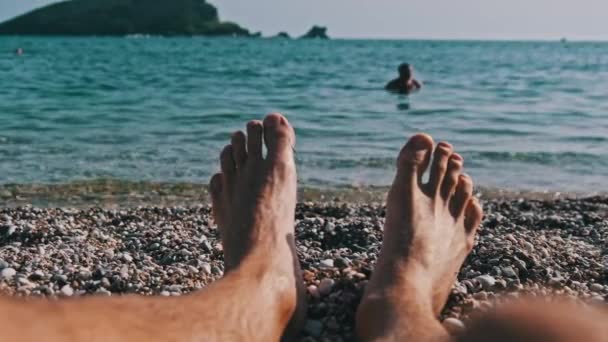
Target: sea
{"type": "Point", "coordinates": [526, 116]}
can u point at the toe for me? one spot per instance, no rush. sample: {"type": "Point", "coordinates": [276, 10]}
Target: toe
{"type": "Point", "coordinates": [462, 196]}
{"type": "Point", "coordinates": [414, 158]}
{"type": "Point", "coordinates": [450, 179]}
{"type": "Point", "coordinates": [238, 149]}
{"type": "Point", "coordinates": [279, 136]}
{"type": "Point", "coordinates": [215, 189]}
{"type": "Point", "coordinates": [442, 154]}
{"type": "Point", "coordinates": [254, 139]}
{"type": "Point", "coordinates": [472, 219]}
{"type": "Point", "coordinates": [473, 215]}
{"type": "Point", "coordinates": [227, 161]}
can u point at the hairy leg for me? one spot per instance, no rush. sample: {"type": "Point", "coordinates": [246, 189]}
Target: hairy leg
{"type": "Point", "coordinates": [430, 229]}
{"type": "Point", "coordinates": [254, 203]}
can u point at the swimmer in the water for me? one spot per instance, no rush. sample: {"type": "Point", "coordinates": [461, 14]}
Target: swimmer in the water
{"type": "Point", "coordinates": [406, 83]}
{"type": "Point", "coordinates": [19, 52]}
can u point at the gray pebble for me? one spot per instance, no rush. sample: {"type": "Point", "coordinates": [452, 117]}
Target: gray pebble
{"type": "Point", "coordinates": [325, 286]}
{"type": "Point", "coordinates": [509, 272]}
{"type": "Point", "coordinates": [313, 328]}
{"type": "Point", "coordinates": [596, 287]}
{"type": "Point", "coordinates": [342, 262]}
{"type": "Point", "coordinates": [486, 281]}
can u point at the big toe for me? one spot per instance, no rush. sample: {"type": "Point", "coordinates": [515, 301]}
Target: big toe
{"type": "Point", "coordinates": [414, 159]}
{"type": "Point", "coordinates": [279, 136]}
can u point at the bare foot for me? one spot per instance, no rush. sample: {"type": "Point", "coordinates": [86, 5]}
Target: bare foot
{"type": "Point", "coordinates": [430, 229]}
{"type": "Point", "coordinates": [254, 201]}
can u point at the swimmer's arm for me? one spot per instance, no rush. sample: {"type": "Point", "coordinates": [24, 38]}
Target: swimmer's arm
{"type": "Point", "coordinates": [417, 84]}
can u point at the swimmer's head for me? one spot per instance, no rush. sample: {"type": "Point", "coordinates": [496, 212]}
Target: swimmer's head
{"type": "Point", "coordinates": [405, 71]}
{"type": "Point", "coordinates": [19, 51]}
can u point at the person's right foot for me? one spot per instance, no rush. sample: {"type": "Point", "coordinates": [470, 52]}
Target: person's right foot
{"type": "Point", "coordinates": [430, 229]}
{"type": "Point", "coordinates": [254, 200]}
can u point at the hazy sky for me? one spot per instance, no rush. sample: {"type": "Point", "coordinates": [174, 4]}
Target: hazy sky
{"type": "Point", "coordinates": [461, 19]}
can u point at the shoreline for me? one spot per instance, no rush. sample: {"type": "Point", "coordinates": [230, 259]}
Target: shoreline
{"type": "Point", "coordinates": [110, 193]}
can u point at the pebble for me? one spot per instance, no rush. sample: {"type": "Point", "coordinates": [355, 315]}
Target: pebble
{"type": "Point", "coordinates": [37, 275]}
{"type": "Point", "coordinates": [313, 328]}
{"type": "Point", "coordinates": [596, 287]}
{"type": "Point", "coordinates": [453, 325]}
{"type": "Point", "coordinates": [327, 263]}
{"type": "Point", "coordinates": [313, 291]}
{"type": "Point", "coordinates": [67, 291]}
{"type": "Point", "coordinates": [509, 272]}
{"type": "Point", "coordinates": [8, 273]}
{"type": "Point", "coordinates": [486, 281]}
{"type": "Point", "coordinates": [325, 286]}
{"type": "Point", "coordinates": [342, 262]}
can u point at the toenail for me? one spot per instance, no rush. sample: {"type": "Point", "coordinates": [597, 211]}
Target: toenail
{"type": "Point", "coordinates": [419, 143]}
{"type": "Point", "coordinates": [456, 157]}
{"type": "Point", "coordinates": [444, 145]}
{"type": "Point", "coordinates": [254, 124]}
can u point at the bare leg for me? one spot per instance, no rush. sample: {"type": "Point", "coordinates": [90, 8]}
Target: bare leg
{"type": "Point", "coordinates": [254, 203]}
{"type": "Point", "coordinates": [430, 229]}
{"type": "Point", "coordinates": [539, 321]}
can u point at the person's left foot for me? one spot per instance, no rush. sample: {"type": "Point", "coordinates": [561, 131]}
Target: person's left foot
{"type": "Point", "coordinates": [254, 199]}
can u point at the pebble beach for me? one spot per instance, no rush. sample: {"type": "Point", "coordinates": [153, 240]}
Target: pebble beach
{"type": "Point", "coordinates": [524, 247]}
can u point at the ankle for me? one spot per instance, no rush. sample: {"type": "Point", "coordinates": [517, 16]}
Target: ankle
{"type": "Point", "coordinates": [388, 317]}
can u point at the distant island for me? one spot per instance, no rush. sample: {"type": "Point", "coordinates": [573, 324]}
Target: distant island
{"type": "Point", "coordinates": [316, 32]}
{"type": "Point", "coordinates": [123, 17]}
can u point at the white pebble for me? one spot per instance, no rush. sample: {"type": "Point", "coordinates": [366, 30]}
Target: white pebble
{"type": "Point", "coordinates": [327, 263]}
{"type": "Point", "coordinates": [453, 325]}
{"type": "Point", "coordinates": [487, 281]}
{"type": "Point", "coordinates": [67, 291]}
{"type": "Point", "coordinates": [8, 273]}
{"type": "Point", "coordinates": [314, 291]}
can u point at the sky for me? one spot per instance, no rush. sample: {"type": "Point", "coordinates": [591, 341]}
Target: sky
{"type": "Point", "coordinates": [406, 19]}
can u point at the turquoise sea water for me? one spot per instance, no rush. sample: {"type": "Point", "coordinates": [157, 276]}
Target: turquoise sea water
{"type": "Point", "coordinates": [530, 116]}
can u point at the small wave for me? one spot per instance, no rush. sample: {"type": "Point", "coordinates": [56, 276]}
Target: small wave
{"type": "Point", "coordinates": [423, 112]}
{"type": "Point", "coordinates": [543, 158]}
{"type": "Point", "coordinates": [494, 131]}
{"type": "Point", "coordinates": [589, 139]}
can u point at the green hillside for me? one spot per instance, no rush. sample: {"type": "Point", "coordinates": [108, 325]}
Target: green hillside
{"type": "Point", "coordinates": [123, 17]}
